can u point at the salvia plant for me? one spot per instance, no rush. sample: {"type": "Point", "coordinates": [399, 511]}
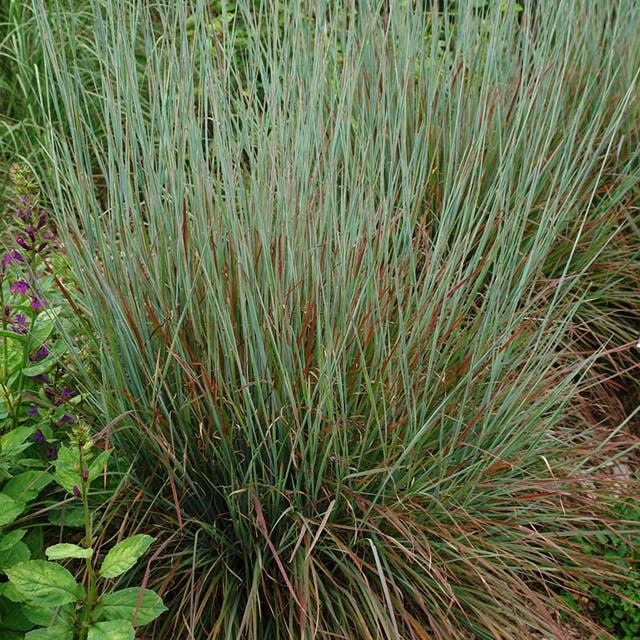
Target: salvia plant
{"type": "Point", "coordinates": [42, 444]}
{"type": "Point", "coordinates": [48, 595]}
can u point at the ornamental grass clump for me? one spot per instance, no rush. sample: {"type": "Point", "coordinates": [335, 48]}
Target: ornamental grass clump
{"type": "Point", "coordinates": [338, 312]}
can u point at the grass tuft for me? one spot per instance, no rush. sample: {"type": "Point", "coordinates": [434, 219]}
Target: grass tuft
{"type": "Point", "coordinates": [351, 287]}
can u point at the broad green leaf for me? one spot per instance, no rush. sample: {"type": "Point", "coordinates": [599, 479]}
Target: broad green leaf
{"type": "Point", "coordinates": [14, 555]}
{"type": "Point", "coordinates": [45, 582]}
{"type": "Point", "coordinates": [111, 630]}
{"type": "Point", "coordinates": [40, 367]}
{"type": "Point", "coordinates": [57, 632]}
{"type": "Point", "coordinates": [67, 516]}
{"type": "Point", "coordinates": [13, 617]}
{"type": "Point", "coordinates": [124, 555]}
{"type": "Point", "coordinates": [97, 466]}
{"type": "Point", "coordinates": [65, 550]}
{"type": "Point", "coordinates": [16, 440]}
{"type": "Point", "coordinates": [8, 540]}
{"type": "Point", "coordinates": [27, 485]}
{"type": "Point", "coordinates": [67, 473]}
{"type": "Point", "coordinates": [11, 593]}
{"type": "Point", "coordinates": [123, 604]}
{"type": "Point", "coordinates": [44, 325]}
{"type": "Point", "coordinates": [46, 616]}
{"type": "Point", "coordinates": [10, 509]}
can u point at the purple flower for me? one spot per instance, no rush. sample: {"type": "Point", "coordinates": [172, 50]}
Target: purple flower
{"type": "Point", "coordinates": [37, 303]}
{"type": "Point", "coordinates": [66, 393]}
{"type": "Point", "coordinates": [76, 491]}
{"type": "Point", "coordinates": [9, 257]}
{"type": "Point", "coordinates": [42, 220]}
{"type": "Point", "coordinates": [39, 436]}
{"type": "Point", "coordinates": [64, 420]}
{"type": "Point", "coordinates": [19, 322]}
{"type": "Point", "coordinates": [41, 378]}
{"type": "Point", "coordinates": [85, 474]}
{"type": "Point", "coordinates": [33, 411]}
{"type": "Point", "coordinates": [42, 352]}
{"type": "Point", "coordinates": [22, 286]}
{"type": "Point", "coordinates": [23, 243]}
{"type": "Point", "coordinates": [52, 453]}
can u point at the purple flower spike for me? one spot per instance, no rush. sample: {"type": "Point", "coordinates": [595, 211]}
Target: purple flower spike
{"type": "Point", "coordinates": [33, 411]}
{"type": "Point", "coordinates": [22, 286]}
{"type": "Point", "coordinates": [39, 436]}
{"type": "Point", "coordinates": [19, 322]}
{"type": "Point", "coordinates": [21, 212]}
{"type": "Point", "coordinates": [66, 393]}
{"type": "Point", "coordinates": [42, 220]}
{"type": "Point", "coordinates": [23, 243]}
{"type": "Point", "coordinates": [42, 352]}
{"type": "Point", "coordinates": [11, 256]}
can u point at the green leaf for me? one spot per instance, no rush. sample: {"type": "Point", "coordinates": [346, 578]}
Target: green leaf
{"type": "Point", "coordinates": [11, 593]}
{"type": "Point", "coordinates": [67, 473]}
{"type": "Point", "coordinates": [14, 555]}
{"type": "Point", "coordinates": [123, 604]}
{"type": "Point", "coordinates": [56, 632]}
{"type": "Point", "coordinates": [40, 367]}
{"type": "Point", "coordinates": [10, 509]}
{"type": "Point", "coordinates": [13, 617]}
{"type": "Point", "coordinates": [8, 540]}
{"type": "Point", "coordinates": [124, 555]}
{"type": "Point", "coordinates": [112, 630]}
{"type": "Point", "coordinates": [46, 616]}
{"type": "Point", "coordinates": [27, 486]}
{"type": "Point", "coordinates": [97, 466]}
{"type": "Point", "coordinates": [67, 516]}
{"type": "Point", "coordinates": [16, 440]}
{"type": "Point", "coordinates": [64, 550]}
{"type": "Point", "coordinates": [43, 325]}
{"type": "Point", "coordinates": [45, 582]}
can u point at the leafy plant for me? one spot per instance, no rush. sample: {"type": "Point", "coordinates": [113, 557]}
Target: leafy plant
{"type": "Point", "coordinates": [48, 594]}
{"type": "Point", "coordinates": [38, 408]}
{"type": "Point", "coordinates": [616, 605]}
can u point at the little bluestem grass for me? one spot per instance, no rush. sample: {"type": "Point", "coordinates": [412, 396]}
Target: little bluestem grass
{"type": "Point", "coordinates": [334, 282]}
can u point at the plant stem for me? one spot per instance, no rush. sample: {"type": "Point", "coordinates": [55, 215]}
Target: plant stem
{"type": "Point", "coordinates": [87, 610]}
